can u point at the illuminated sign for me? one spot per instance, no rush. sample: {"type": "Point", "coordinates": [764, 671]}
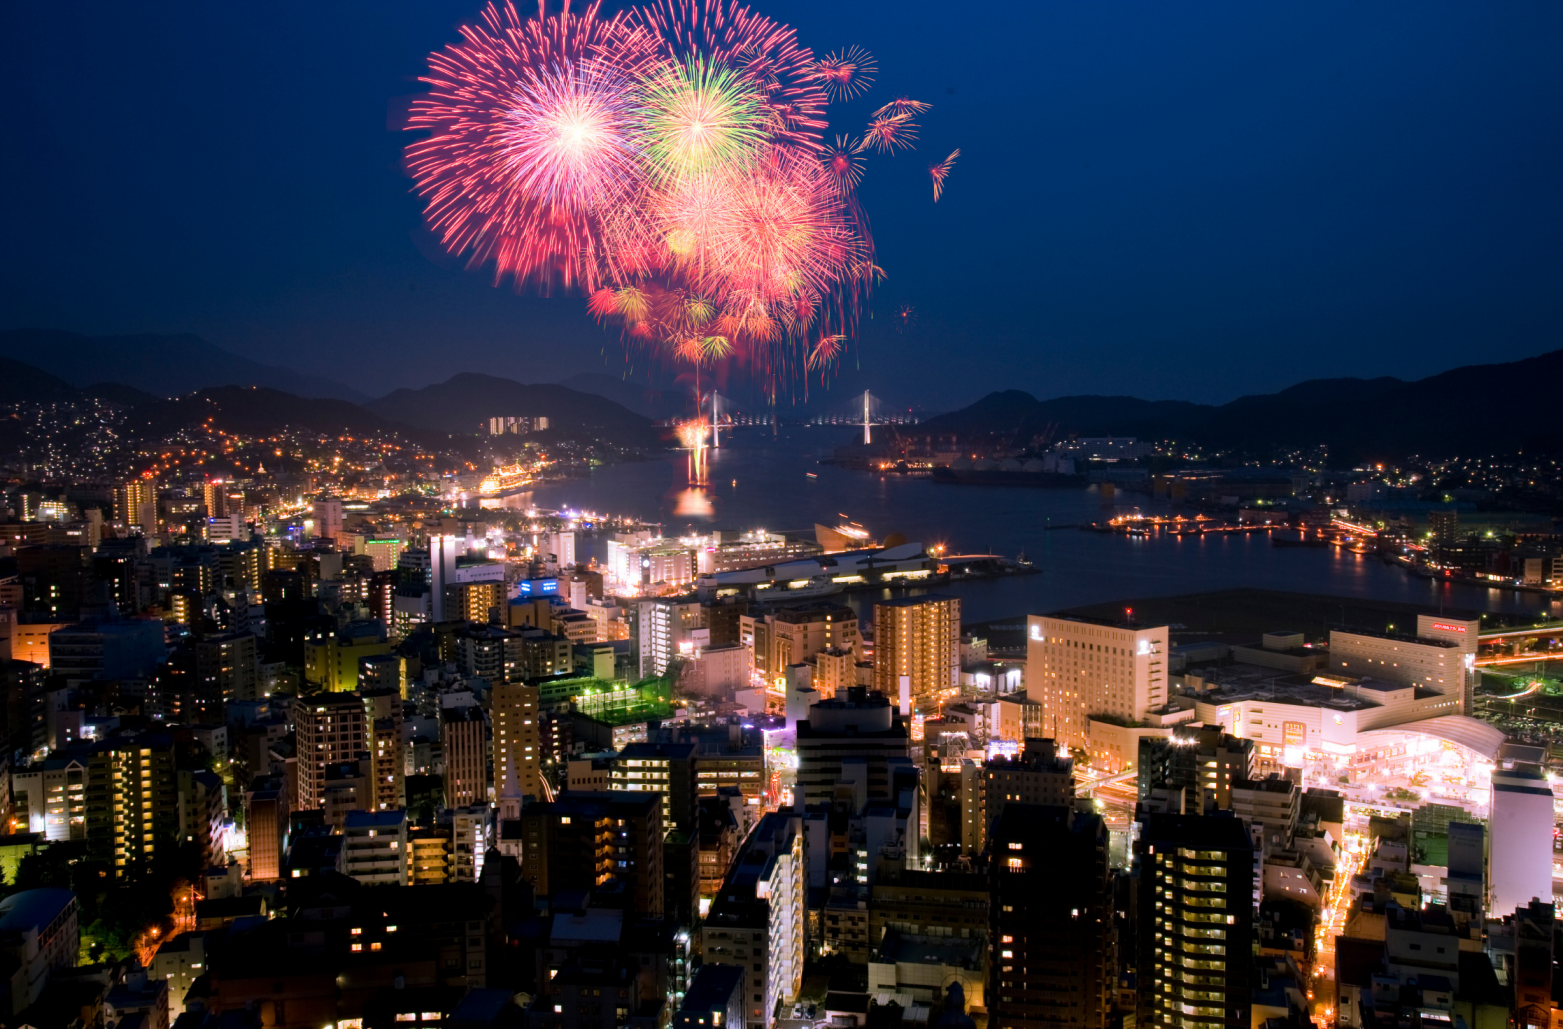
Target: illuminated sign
{"type": "Point", "coordinates": [537, 587]}
{"type": "Point", "coordinates": [1446, 627]}
{"type": "Point", "coordinates": [1294, 734]}
{"type": "Point", "coordinates": [1036, 632]}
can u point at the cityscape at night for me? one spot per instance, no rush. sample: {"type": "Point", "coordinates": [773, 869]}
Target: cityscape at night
{"type": "Point", "coordinates": [700, 514]}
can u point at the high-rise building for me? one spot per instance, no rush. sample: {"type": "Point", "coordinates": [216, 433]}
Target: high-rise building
{"type": "Point", "coordinates": [664, 768]}
{"type": "Point", "coordinates": [582, 842]}
{"type": "Point", "coordinates": [1464, 633]}
{"type": "Point", "coordinates": [757, 920]}
{"type": "Point", "coordinates": [668, 626]}
{"type": "Point", "coordinates": [518, 754]}
{"type": "Point", "coordinates": [387, 753]}
{"type": "Point", "coordinates": [918, 638]}
{"type": "Point", "coordinates": [1521, 848]}
{"type": "Point", "coordinates": [858, 725]}
{"type": "Point", "coordinates": [135, 504]}
{"type": "Point", "coordinates": [1078, 668]}
{"type": "Point", "coordinates": [331, 730]}
{"type": "Point", "coordinates": [133, 804]}
{"type": "Point", "coordinates": [1196, 921]}
{"type": "Point", "coordinates": [1052, 948]}
{"type": "Point", "coordinates": [788, 636]}
{"type": "Point", "coordinates": [463, 735]}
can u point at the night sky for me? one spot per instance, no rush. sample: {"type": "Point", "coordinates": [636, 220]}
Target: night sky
{"type": "Point", "coordinates": [1191, 200]}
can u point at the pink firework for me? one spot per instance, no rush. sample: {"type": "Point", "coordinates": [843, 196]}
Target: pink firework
{"type": "Point", "coordinates": [528, 126]}
{"type": "Point", "coordinates": [846, 73]}
{"type": "Point", "coordinates": [941, 171]}
{"type": "Point", "coordinates": [889, 133]}
{"type": "Point", "coordinates": [844, 164]}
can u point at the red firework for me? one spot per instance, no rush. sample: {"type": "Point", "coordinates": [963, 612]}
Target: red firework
{"type": "Point", "coordinates": [889, 133]}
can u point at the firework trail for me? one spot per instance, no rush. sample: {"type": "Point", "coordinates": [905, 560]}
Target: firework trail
{"type": "Point", "coordinates": [669, 162]}
{"type": "Point", "coordinates": [941, 171]}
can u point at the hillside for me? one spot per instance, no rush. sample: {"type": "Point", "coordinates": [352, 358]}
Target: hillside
{"type": "Point", "coordinates": [1471, 410]}
{"type": "Point", "coordinates": [253, 411]}
{"type": "Point", "coordinates": [163, 366]}
{"type": "Point", "coordinates": [24, 382]}
{"type": "Point", "coordinates": [464, 403]}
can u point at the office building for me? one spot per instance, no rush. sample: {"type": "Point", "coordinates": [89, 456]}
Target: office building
{"type": "Point", "coordinates": [757, 921]}
{"type": "Point", "coordinates": [1053, 958]}
{"type": "Point", "coordinates": [1196, 921]}
{"type": "Point", "coordinates": [1078, 668]}
{"type": "Point", "coordinates": [667, 769]}
{"type": "Point", "coordinates": [129, 649]}
{"type": "Point", "coordinates": [858, 726]}
{"type": "Point", "coordinates": [513, 708]}
{"type": "Point", "coordinates": [918, 638]}
{"type": "Point", "coordinates": [1521, 823]}
{"type": "Point", "coordinates": [374, 847]}
{"type": "Point", "coordinates": [133, 806]}
{"type": "Point", "coordinates": [463, 738]}
{"type": "Point", "coordinates": [607, 841]}
{"type": "Point", "coordinates": [331, 730]}
{"type": "Point", "coordinates": [135, 505]}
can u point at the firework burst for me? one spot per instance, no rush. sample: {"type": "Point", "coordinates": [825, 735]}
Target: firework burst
{"type": "Point", "coordinates": [670, 163]}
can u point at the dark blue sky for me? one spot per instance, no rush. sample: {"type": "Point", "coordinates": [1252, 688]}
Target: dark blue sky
{"type": "Point", "coordinates": [1192, 200]}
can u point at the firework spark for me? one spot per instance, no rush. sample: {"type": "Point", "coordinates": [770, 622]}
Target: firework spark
{"type": "Point", "coordinates": [941, 171]}
{"type": "Point", "coordinates": [846, 73]}
{"type": "Point", "coordinates": [902, 105]}
{"type": "Point", "coordinates": [846, 167]}
{"type": "Point", "coordinates": [889, 133]}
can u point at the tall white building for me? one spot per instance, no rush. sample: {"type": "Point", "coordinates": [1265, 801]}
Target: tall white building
{"type": "Point", "coordinates": [669, 626]}
{"type": "Point", "coordinates": [1078, 669]}
{"type": "Point", "coordinates": [1465, 633]}
{"type": "Point", "coordinates": [757, 920]}
{"type": "Point", "coordinates": [1521, 853]}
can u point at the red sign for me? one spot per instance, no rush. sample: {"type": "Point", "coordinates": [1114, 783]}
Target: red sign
{"type": "Point", "coordinates": [1448, 628]}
